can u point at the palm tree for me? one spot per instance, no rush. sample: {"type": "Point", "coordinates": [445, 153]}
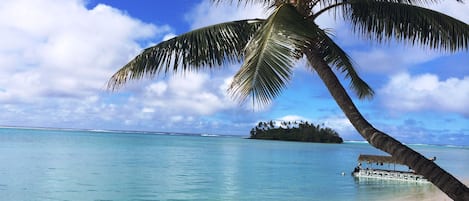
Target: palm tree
{"type": "Point", "coordinates": [269, 48]}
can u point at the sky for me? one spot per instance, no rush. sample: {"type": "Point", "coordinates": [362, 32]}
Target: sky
{"type": "Point", "coordinates": [57, 55]}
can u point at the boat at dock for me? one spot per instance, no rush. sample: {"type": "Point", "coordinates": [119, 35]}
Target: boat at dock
{"type": "Point", "coordinates": [375, 169]}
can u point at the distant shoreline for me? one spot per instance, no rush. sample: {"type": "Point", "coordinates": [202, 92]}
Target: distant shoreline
{"type": "Point", "coordinates": [268, 139]}
{"type": "Point", "coordinates": [186, 133]}
{"type": "Point", "coordinates": [97, 130]}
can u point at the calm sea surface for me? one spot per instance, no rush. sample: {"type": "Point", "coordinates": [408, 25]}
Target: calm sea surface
{"type": "Point", "coordinates": [78, 165]}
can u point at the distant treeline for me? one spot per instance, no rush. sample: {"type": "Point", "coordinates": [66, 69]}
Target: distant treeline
{"type": "Point", "coordinates": [295, 131]}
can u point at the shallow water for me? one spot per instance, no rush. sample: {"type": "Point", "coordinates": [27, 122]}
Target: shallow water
{"type": "Point", "coordinates": [78, 165]}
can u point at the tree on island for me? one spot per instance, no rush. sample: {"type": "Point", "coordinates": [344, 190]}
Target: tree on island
{"type": "Point", "coordinates": [270, 47]}
{"type": "Point", "coordinates": [299, 131]}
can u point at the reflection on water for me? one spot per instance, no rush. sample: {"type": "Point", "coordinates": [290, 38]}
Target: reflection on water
{"type": "Point", "coordinates": [387, 189]}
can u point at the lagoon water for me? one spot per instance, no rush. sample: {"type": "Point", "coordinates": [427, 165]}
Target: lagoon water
{"type": "Point", "coordinates": [84, 165]}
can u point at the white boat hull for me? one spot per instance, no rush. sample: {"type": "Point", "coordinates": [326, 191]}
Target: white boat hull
{"type": "Point", "coordinates": [390, 175]}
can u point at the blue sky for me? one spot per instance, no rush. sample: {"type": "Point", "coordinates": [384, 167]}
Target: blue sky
{"type": "Point", "coordinates": [56, 57]}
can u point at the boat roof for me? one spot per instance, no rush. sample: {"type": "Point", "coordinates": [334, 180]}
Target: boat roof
{"type": "Point", "coordinates": [378, 159]}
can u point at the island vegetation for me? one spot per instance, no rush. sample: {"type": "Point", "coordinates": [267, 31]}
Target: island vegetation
{"type": "Point", "coordinates": [302, 131]}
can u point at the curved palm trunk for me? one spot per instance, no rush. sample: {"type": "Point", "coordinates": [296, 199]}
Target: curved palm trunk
{"type": "Point", "coordinates": [420, 164]}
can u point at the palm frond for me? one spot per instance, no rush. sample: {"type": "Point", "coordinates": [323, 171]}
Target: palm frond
{"type": "Point", "coordinates": [338, 58]}
{"type": "Point", "coordinates": [337, 5]}
{"type": "Point", "coordinates": [206, 47]}
{"type": "Point", "coordinates": [270, 56]}
{"type": "Point", "coordinates": [384, 21]}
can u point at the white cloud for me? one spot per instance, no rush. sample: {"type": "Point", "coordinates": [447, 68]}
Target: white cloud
{"type": "Point", "coordinates": [206, 13]}
{"type": "Point", "coordinates": [188, 94]}
{"type": "Point", "coordinates": [168, 36]}
{"type": "Point", "coordinates": [61, 48]}
{"type": "Point", "coordinates": [454, 9]}
{"type": "Point", "coordinates": [391, 60]}
{"type": "Point", "coordinates": [426, 92]}
{"type": "Point", "coordinates": [158, 88]}
{"type": "Point", "coordinates": [56, 56]}
{"type": "Point", "coordinates": [339, 123]}
{"type": "Point", "coordinates": [190, 98]}
{"type": "Point", "coordinates": [177, 118]}
{"type": "Point", "coordinates": [293, 118]}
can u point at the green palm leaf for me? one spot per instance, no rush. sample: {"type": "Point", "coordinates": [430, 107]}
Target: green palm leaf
{"type": "Point", "coordinates": [336, 57]}
{"type": "Point", "coordinates": [270, 56]}
{"type": "Point", "coordinates": [337, 5]}
{"type": "Point", "coordinates": [383, 21]}
{"type": "Point", "coordinates": [206, 47]}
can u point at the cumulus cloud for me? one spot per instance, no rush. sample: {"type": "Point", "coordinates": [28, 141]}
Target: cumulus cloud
{"type": "Point", "coordinates": [339, 123]}
{"type": "Point", "coordinates": [391, 60]}
{"type": "Point", "coordinates": [293, 118]}
{"type": "Point", "coordinates": [62, 49]}
{"type": "Point", "coordinates": [206, 13]}
{"type": "Point", "coordinates": [181, 98]}
{"type": "Point", "coordinates": [454, 9]}
{"type": "Point", "coordinates": [417, 131]}
{"type": "Point", "coordinates": [56, 56]}
{"type": "Point", "coordinates": [426, 92]}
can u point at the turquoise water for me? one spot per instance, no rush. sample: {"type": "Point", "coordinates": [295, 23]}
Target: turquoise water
{"type": "Point", "coordinates": [79, 165]}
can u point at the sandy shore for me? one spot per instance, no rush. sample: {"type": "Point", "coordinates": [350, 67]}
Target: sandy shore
{"type": "Point", "coordinates": [433, 194]}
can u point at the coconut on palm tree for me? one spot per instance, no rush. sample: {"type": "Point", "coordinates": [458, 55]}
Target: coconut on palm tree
{"type": "Point", "coordinates": [269, 48]}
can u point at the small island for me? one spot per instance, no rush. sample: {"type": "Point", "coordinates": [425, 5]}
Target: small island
{"type": "Point", "coordinates": [295, 131]}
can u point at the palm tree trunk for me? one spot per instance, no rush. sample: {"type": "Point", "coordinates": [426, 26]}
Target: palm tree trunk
{"type": "Point", "coordinates": [420, 164]}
